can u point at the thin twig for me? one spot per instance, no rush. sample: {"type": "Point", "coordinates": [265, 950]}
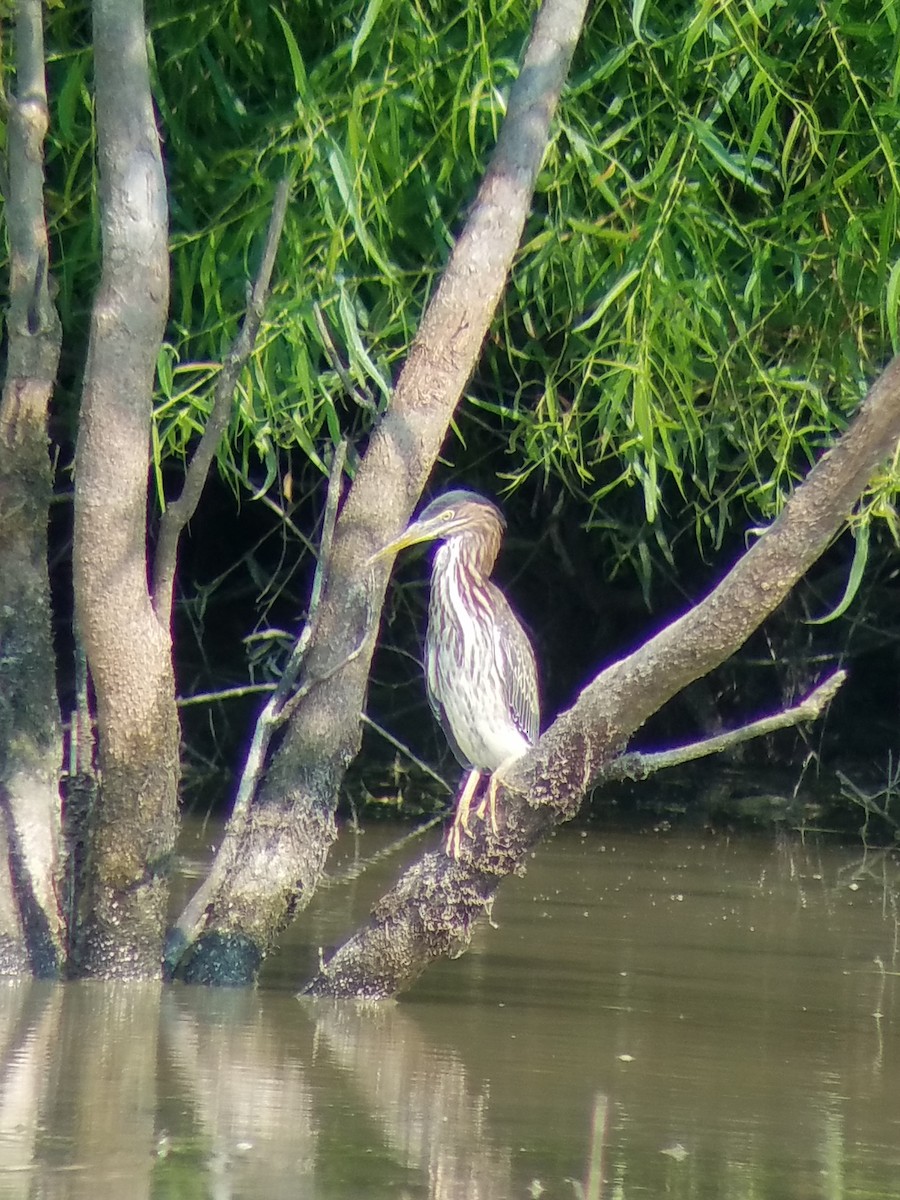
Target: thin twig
{"type": "Point", "coordinates": [638, 765]}
{"type": "Point", "coordinates": [289, 525]}
{"type": "Point", "coordinates": [360, 395]}
{"type": "Point", "coordinates": [234, 693]}
{"type": "Point", "coordinates": [276, 711]}
{"type": "Point", "coordinates": [180, 511]}
{"type": "Point", "coordinates": [355, 870]}
{"type": "Point", "coordinates": [82, 735]}
{"type": "Point", "coordinates": [323, 676]}
{"type": "Point", "coordinates": [405, 750]}
{"type": "Point", "coordinates": [332, 503]}
{"type": "Point", "coordinates": [254, 689]}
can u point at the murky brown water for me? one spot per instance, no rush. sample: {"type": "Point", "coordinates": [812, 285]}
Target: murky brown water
{"type": "Point", "coordinates": [656, 1015]}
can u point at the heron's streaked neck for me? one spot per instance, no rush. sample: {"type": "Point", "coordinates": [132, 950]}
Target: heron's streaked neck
{"type": "Point", "coordinates": [471, 554]}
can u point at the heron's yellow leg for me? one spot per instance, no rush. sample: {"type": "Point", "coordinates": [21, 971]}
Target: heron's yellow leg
{"type": "Point", "coordinates": [463, 810]}
{"type": "Point", "coordinates": [489, 803]}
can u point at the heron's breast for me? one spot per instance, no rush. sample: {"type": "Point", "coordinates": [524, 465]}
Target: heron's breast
{"type": "Point", "coordinates": [466, 678]}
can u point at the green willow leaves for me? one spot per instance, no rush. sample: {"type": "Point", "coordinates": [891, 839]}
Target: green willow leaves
{"type": "Point", "coordinates": [707, 282]}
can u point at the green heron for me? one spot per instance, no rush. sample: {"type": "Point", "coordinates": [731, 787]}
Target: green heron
{"type": "Point", "coordinates": [480, 671]}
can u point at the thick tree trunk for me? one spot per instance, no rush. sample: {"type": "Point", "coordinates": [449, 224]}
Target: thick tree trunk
{"type": "Point", "coordinates": [280, 856]}
{"type": "Point", "coordinates": [132, 830]}
{"type": "Point", "coordinates": [432, 910]}
{"type": "Point", "coordinates": [31, 927]}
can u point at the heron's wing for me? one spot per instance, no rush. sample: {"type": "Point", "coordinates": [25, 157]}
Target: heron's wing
{"type": "Point", "coordinates": [437, 707]}
{"type": "Point", "coordinates": [520, 677]}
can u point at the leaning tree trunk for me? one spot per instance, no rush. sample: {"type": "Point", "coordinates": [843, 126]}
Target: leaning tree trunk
{"type": "Point", "coordinates": [432, 910]}
{"type": "Point", "coordinates": [31, 927]}
{"type": "Point", "coordinates": [131, 830]}
{"type": "Point", "coordinates": [270, 866]}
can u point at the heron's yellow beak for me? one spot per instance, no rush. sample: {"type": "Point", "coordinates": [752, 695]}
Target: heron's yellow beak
{"type": "Point", "coordinates": [418, 531]}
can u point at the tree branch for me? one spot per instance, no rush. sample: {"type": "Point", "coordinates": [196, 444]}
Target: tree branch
{"type": "Point", "coordinates": [33, 325]}
{"type": "Point", "coordinates": [276, 710]}
{"type": "Point", "coordinates": [292, 822]}
{"type": "Point", "coordinates": [638, 764]}
{"type": "Point", "coordinates": [615, 704]}
{"type": "Point", "coordinates": [432, 910]}
{"type": "Point", "coordinates": [180, 511]}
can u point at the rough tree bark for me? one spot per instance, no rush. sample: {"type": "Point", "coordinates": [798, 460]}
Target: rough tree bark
{"type": "Point", "coordinates": [31, 926]}
{"type": "Point", "coordinates": [274, 867]}
{"type": "Point", "coordinates": [432, 910]}
{"type": "Point", "coordinates": [111, 921]}
{"type": "Point", "coordinates": [132, 828]}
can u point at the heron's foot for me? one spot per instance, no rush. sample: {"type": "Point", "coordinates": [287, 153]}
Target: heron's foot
{"type": "Point", "coordinates": [460, 824]}
{"type": "Point", "coordinates": [456, 831]}
{"type": "Point", "coordinates": [454, 840]}
{"type": "Point", "coordinates": [489, 805]}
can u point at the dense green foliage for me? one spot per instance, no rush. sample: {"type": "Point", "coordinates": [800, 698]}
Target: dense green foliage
{"type": "Point", "coordinates": [707, 284]}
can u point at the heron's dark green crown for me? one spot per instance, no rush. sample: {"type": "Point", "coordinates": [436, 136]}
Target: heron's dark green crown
{"type": "Point", "coordinates": [463, 504]}
{"type": "Point", "coordinates": [472, 524]}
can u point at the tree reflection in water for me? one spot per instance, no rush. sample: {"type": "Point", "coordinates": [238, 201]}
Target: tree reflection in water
{"type": "Point", "coordinates": [688, 1015]}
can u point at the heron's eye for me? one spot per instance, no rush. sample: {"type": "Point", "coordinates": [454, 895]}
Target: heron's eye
{"type": "Point", "coordinates": [448, 514]}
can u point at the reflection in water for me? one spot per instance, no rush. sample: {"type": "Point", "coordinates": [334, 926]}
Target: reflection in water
{"type": "Point", "coordinates": [420, 1098]}
{"type": "Point", "coordinates": [29, 1023]}
{"type": "Point", "coordinates": [656, 1015]}
{"type": "Point", "coordinates": [79, 1090]}
{"type": "Point", "coordinates": [241, 1066]}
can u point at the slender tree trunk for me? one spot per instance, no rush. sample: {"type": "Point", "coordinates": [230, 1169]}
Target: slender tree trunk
{"type": "Point", "coordinates": [132, 830]}
{"type": "Point", "coordinates": [274, 868]}
{"type": "Point", "coordinates": [31, 927]}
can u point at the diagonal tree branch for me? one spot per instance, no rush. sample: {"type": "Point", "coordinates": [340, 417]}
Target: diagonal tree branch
{"type": "Point", "coordinates": [432, 910]}
{"type": "Point", "coordinates": [291, 824]}
{"type": "Point", "coordinates": [638, 764]}
{"type": "Point", "coordinates": [622, 697]}
{"type": "Point", "coordinates": [274, 713]}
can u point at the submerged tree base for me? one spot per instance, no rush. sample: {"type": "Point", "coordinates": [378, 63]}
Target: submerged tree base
{"type": "Point", "coordinates": [221, 960]}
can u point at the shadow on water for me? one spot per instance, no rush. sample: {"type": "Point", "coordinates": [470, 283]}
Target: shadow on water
{"type": "Point", "coordinates": [655, 1015]}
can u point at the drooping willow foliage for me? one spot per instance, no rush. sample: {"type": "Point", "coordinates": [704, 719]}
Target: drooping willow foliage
{"type": "Point", "coordinates": [709, 279]}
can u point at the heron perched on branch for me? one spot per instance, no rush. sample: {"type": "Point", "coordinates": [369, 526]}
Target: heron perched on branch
{"type": "Point", "coordinates": [480, 671]}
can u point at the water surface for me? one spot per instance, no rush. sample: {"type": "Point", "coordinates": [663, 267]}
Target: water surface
{"type": "Point", "coordinates": [655, 1014]}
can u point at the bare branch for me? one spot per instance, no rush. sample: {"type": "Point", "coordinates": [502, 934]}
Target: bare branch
{"type": "Point", "coordinates": [180, 511]}
{"type": "Point", "coordinates": [232, 693]}
{"type": "Point", "coordinates": [406, 752]}
{"type": "Point", "coordinates": [622, 697]}
{"type": "Point", "coordinates": [329, 521]}
{"type": "Point", "coordinates": [274, 713]}
{"type": "Point", "coordinates": [638, 765]}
